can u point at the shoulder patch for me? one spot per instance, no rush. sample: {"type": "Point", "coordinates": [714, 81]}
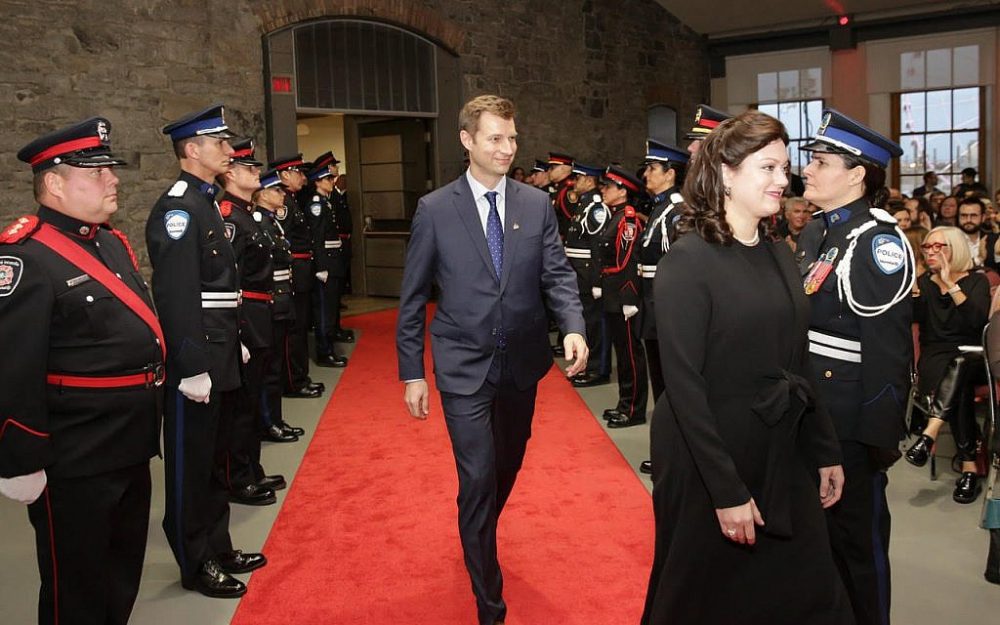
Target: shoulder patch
{"type": "Point", "coordinates": [601, 214]}
{"type": "Point", "coordinates": [11, 268]}
{"type": "Point", "coordinates": [176, 223]}
{"type": "Point", "coordinates": [226, 208]}
{"type": "Point", "coordinates": [676, 198]}
{"type": "Point", "coordinates": [20, 230]}
{"type": "Point", "coordinates": [257, 216]}
{"type": "Point", "coordinates": [230, 231]}
{"type": "Point", "coordinates": [888, 253]}
{"type": "Point", "coordinates": [178, 189]}
{"type": "Point", "coordinates": [883, 216]}
{"type": "Point", "coordinates": [316, 209]}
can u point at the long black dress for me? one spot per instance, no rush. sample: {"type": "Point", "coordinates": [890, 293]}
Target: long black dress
{"type": "Point", "coordinates": [736, 422]}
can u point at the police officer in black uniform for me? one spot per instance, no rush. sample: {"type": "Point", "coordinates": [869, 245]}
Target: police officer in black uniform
{"type": "Point", "coordinates": [296, 226]}
{"type": "Point", "coordinates": [706, 119]}
{"type": "Point", "coordinates": [79, 414]}
{"type": "Point", "coordinates": [561, 185]}
{"type": "Point", "coordinates": [581, 238]}
{"type": "Point", "coordinates": [345, 223]}
{"type": "Point", "coordinates": [540, 174]}
{"type": "Point", "coordinates": [331, 269]}
{"type": "Point", "coordinates": [196, 289]}
{"type": "Point", "coordinates": [621, 291]}
{"type": "Point", "coordinates": [858, 272]}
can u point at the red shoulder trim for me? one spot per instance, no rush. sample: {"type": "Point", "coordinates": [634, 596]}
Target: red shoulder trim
{"type": "Point", "coordinates": [128, 248]}
{"type": "Point", "coordinates": [20, 230]}
{"type": "Point", "coordinates": [226, 208]}
{"type": "Point", "coordinates": [629, 211]}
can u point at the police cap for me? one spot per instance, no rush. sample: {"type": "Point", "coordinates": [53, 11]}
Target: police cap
{"type": "Point", "coordinates": [85, 144]}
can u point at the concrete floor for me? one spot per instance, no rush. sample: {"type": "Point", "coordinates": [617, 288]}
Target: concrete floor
{"type": "Point", "coordinates": [937, 551]}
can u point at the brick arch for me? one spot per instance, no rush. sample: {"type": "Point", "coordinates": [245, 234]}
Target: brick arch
{"type": "Point", "coordinates": [275, 15]}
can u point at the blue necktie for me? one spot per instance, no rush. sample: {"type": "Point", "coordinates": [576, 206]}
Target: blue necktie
{"type": "Point", "coordinates": [494, 233]}
{"type": "Point", "coordinates": [494, 239]}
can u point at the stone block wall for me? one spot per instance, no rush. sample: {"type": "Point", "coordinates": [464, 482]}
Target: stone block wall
{"type": "Point", "coordinates": [582, 73]}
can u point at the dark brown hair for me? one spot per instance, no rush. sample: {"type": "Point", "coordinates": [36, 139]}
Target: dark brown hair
{"type": "Point", "coordinates": [875, 190]}
{"type": "Point", "coordinates": [729, 144]}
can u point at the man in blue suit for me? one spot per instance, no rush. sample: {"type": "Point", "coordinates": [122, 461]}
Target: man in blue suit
{"type": "Point", "coordinates": [492, 246]}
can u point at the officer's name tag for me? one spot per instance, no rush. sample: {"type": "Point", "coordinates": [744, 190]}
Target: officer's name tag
{"type": "Point", "coordinates": [77, 280]}
{"type": "Point", "coordinates": [888, 252]}
{"type": "Point", "coordinates": [176, 223]}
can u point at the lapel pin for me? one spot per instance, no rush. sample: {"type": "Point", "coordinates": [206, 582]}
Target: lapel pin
{"type": "Point", "coordinates": [516, 225]}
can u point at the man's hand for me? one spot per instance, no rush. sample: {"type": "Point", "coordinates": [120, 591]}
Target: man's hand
{"type": "Point", "coordinates": [630, 311]}
{"type": "Point", "coordinates": [322, 276]}
{"type": "Point", "coordinates": [197, 388]}
{"type": "Point", "coordinates": [244, 353]}
{"type": "Point", "coordinates": [597, 292]}
{"type": "Point", "coordinates": [24, 488]}
{"type": "Point", "coordinates": [575, 348]}
{"type": "Point", "coordinates": [831, 484]}
{"type": "Point", "coordinates": [417, 398]}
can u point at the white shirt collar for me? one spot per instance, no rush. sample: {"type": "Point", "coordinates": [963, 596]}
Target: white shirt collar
{"type": "Point", "coordinates": [479, 190]}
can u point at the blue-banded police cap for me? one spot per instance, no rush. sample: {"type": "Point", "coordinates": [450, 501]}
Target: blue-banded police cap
{"type": "Point", "coordinates": [658, 152]}
{"type": "Point", "coordinates": [84, 144]}
{"type": "Point", "coordinates": [540, 165]}
{"type": "Point", "coordinates": [209, 122]}
{"type": "Point", "coordinates": [587, 170]}
{"type": "Point", "coordinates": [243, 152]}
{"type": "Point", "coordinates": [270, 179]}
{"type": "Point", "coordinates": [839, 134]}
{"type": "Point", "coordinates": [318, 171]}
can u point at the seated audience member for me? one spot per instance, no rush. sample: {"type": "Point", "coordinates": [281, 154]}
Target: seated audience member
{"type": "Point", "coordinates": [797, 214]}
{"type": "Point", "coordinates": [947, 214]}
{"type": "Point", "coordinates": [970, 219]}
{"type": "Point", "coordinates": [951, 308]}
{"type": "Point", "coordinates": [902, 216]}
{"type": "Point", "coordinates": [935, 200]}
{"type": "Point", "coordinates": [929, 186]}
{"type": "Point", "coordinates": [921, 213]}
{"type": "Point", "coordinates": [969, 185]}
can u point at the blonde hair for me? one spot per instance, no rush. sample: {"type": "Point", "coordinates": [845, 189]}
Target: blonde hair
{"type": "Point", "coordinates": [961, 257]}
{"type": "Point", "coordinates": [468, 117]}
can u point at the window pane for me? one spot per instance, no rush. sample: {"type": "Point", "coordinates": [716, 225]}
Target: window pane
{"type": "Point", "coordinates": [939, 152]}
{"type": "Point", "coordinates": [911, 71]}
{"type": "Point", "coordinates": [812, 82]}
{"type": "Point", "coordinates": [965, 146]}
{"type": "Point", "coordinates": [908, 183]}
{"type": "Point", "coordinates": [966, 65]}
{"type": "Point", "coordinates": [912, 112]}
{"type": "Point", "coordinates": [939, 68]}
{"type": "Point", "coordinates": [912, 160]}
{"type": "Point", "coordinates": [770, 109]}
{"type": "Point", "coordinates": [788, 113]}
{"type": "Point", "coordinates": [767, 86]}
{"type": "Point", "coordinates": [966, 108]}
{"type": "Point", "coordinates": [938, 110]}
{"type": "Point", "coordinates": [788, 85]}
{"type": "Point", "coordinates": [814, 115]}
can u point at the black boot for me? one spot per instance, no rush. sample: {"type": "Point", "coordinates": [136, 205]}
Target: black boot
{"type": "Point", "coordinates": [920, 452]}
{"type": "Point", "coordinates": [968, 488]}
{"type": "Point", "coordinates": [646, 467]}
{"type": "Point", "coordinates": [212, 581]}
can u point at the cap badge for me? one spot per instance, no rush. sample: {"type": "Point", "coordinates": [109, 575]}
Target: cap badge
{"type": "Point", "coordinates": [824, 124]}
{"type": "Point", "coordinates": [102, 131]}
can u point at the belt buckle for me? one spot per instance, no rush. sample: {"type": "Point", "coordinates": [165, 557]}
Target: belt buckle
{"type": "Point", "coordinates": [159, 374]}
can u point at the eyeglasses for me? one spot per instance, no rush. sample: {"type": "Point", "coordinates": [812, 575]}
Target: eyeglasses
{"type": "Point", "coordinates": [933, 247]}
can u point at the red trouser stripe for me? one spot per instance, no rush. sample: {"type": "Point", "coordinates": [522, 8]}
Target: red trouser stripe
{"type": "Point", "coordinates": [55, 567]}
{"type": "Point", "coordinates": [631, 357]}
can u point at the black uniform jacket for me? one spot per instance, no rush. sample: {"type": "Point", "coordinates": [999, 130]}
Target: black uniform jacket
{"type": "Point", "coordinates": [616, 248]}
{"type": "Point", "coordinates": [866, 399]}
{"type": "Point", "coordinates": [328, 247]}
{"type": "Point", "coordinates": [194, 279]}
{"type": "Point", "coordinates": [56, 319]}
{"type": "Point", "coordinates": [582, 239]}
{"type": "Point", "coordinates": [252, 249]}
{"type": "Point", "coordinates": [299, 234]}
{"type": "Point", "coordinates": [660, 232]}
{"type": "Point", "coordinates": [281, 258]}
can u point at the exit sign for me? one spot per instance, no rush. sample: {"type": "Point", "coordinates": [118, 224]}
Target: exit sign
{"type": "Point", "coordinates": [281, 84]}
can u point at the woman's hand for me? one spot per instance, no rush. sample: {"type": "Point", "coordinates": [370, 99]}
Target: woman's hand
{"type": "Point", "coordinates": [737, 523]}
{"type": "Point", "coordinates": [945, 272]}
{"type": "Point", "coordinates": [831, 485]}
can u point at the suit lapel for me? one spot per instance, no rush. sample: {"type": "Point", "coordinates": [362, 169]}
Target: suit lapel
{"type": "Point", "coordinates": [511, 231]}
{"type": "Point", "coordinates": [465, 206]}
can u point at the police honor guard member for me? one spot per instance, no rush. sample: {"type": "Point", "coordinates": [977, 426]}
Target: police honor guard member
{"type": "Point", "coordinates": [296, 226]}
{"type": "Point", "coordinates": [561, 181]}
{"type": "Point", "coordinates": [342, 216]}
{"type": "Point", "coordinates": [706, 119]}
{"type": "Point", "coordinates": [620, 288]}
{"type": "Point", "coordinates": [328, 256]}
{"type": "Point", "coordinates": [858, 271]}
{"type": "Point", "coordinates": [79, 415]}
{"type": "Point", "coordinates": [540, 174]}
{"type": "Point", "coordinates": [196, 288]}
{"type": "Point", "coordinates": [581, 238]}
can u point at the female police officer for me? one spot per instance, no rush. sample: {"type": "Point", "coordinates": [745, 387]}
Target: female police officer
{"type": "Point", "coordinates": [858, 271]}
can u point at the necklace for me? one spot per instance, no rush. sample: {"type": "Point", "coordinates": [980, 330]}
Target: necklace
{"type": "Point", "coordinates": [754, 241]}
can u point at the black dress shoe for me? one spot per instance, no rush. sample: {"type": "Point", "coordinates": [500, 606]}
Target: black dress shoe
{"type": "Point", "coordinates": [305, 392]}
{"type": "Point", "coordinates": [968, 488]}
{"type": "Point", "coordinates": [212, 581]}
{"type": "Point", "coordinates": [252, 495]}
{"type": "Point", "coordinates": [273, 482]}
{"type": "Point", "coordinates": [316, 386]}
{"type": "Point", "coordinates": [275, 434]}
{"type": "Point", "coordinates": [920, 452]}
{"type": "Point", "coordinates": [343, 336]}
{"type": "Point", "coordinates": [610, 412]}
{"type": "Point", "coordinates": [646, 466]}
{"type": "Point", "coordinates": [331, 361]}
{"type": "Point", "coordinates": [236, 562]}
{"type": "Point", "coordinates": [590, 379]}
{"type": "Point", "coordinates": [621, 420]}
{"type": "Point", "coordinates": [294, 431]}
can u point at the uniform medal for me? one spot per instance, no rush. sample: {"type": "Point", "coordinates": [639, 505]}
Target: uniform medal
{"type": "Point", "coordinates": [820, 270]}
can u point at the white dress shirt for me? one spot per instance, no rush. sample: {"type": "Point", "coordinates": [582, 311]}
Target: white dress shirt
{"type": "Point", "coordinates": [482, 204]}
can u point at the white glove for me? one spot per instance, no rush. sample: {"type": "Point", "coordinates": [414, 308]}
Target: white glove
{"type": "Point", "coordinates": [24, 488]}
{"type": "Point", "coordinates": [597, 292]}
{"type": "Point", "coordinates": [322, 276]}
{"type": "Point", "coordinates": [630, 311]}
{"type": "Point", "coordinates": [196, 388]}
{"type": "Point", "coordinates": [244, 353]}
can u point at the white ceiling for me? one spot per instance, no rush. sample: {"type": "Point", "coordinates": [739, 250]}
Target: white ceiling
{"type": "Point", "coordinates": [721, 18]}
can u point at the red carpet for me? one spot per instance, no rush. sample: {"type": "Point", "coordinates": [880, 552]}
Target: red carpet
{"type": "Point", "coordinates": [368, 533]}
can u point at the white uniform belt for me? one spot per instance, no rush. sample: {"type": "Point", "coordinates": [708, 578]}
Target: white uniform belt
{"type": "Point", "coordinates": [332, 245]}
{"type": "Point", "coordinates": [834, 347]}
{"type": "Point", "coordinates": [282, 274]}
{"type": "Point", "coordinates": [214, 299]}
{"type": "Point", "coordinates": [647, 271]}
{"type": "Point", "coordinates": [577, 252]}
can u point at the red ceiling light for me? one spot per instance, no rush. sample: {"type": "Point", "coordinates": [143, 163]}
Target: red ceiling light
{"type": "Point", "coordinates": [843, 20]}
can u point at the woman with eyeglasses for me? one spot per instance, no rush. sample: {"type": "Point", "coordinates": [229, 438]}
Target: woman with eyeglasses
{"type": "Point", "coordinates": [951, 308]}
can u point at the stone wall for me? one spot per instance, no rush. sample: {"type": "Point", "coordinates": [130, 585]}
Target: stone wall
{"type": "Point", "coordinates": [582, 73]}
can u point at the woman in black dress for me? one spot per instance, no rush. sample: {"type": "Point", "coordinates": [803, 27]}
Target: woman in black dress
{"type": "Point", "coordinates": [737, 442]}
